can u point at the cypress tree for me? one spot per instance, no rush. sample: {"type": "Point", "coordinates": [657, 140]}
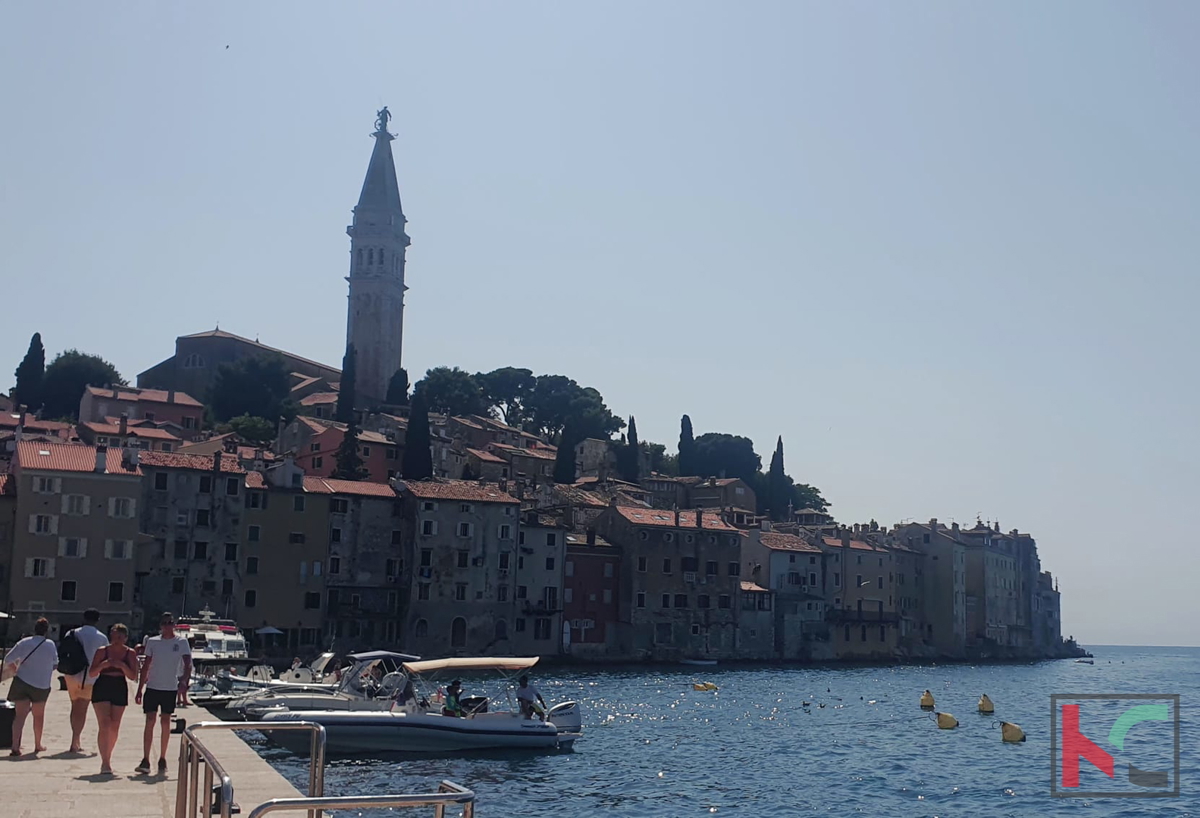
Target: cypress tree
{"type": "Point", "coordinates": [397, 392]}
{"type": "Point", "coordinates": [632, 453]}
{"type": "Point", "coordinates": [28, 391]}
{"type": "Point", "coordinates": [418, 457]}
{"type": "Point", "coordinates": [346, 396]}
{"type": "Point", "coordinates": [777, 484]}
{"type": "Point", "coordinates": [349, 462]}
{"type": "Point", "coordinates": [564, 459]}
{"type": "Point", "coordinates": [687, 448]}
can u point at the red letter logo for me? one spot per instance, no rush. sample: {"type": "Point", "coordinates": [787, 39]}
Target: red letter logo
{"type": "Point", "coordinates": [1076, 746]}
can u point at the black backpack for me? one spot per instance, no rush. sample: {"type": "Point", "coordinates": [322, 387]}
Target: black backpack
{"type": "Point", "coordinates": [71, 657]}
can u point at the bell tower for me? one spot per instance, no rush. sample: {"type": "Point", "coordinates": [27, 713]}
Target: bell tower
{"type": "Point", "coordinates": [375, 315]}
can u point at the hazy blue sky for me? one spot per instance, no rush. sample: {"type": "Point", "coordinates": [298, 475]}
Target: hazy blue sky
{"type": "Point", "coordinates": [947, 250]}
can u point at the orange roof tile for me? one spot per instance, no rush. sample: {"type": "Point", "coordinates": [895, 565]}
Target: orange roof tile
{"type": "Point", "coordinates": [486, 457]}
{"type": "Point", "coordinates": [11, 421]}
{"type": "Point", "coordinates": [687, 519]}
{"type": "Point", "coordinates": [148, 432]}
{"type": "Point", "coordinates": [255, 480]}
{"type": "Point", "coordinates": [319, 399]}
{"type": "Point", "coordinates": [786, 542]}
{"type": "Point", "coordinates": [858, 545]}
{"type": "Point", "coordinates": [132, 393]}
{"type": "Point", "coordinates": [328, 485]}
{"type": "Point", "coordinates": [8, 485]}
{"type": "Point", "coordinates": [468, 490]}
{"type": "Point", "coordinates": [196, 462]}
{"type": "Point", "coordinates": [515, 451]}
{"type": "Point", "coordinates": [70, 457]}
{"type": "Point", "coordinates": [752, 588]}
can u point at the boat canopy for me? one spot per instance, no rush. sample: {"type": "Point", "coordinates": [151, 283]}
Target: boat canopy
{"type": "Point", "coordinates": [472, 663]}
{"type": "Point", "coordinates": [373, 655]}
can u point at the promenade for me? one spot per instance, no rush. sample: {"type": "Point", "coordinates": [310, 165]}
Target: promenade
{"type": "Point", "coordinates": [57, 784]}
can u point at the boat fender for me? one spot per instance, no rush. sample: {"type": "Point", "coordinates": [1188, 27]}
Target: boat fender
{"type": "Point", "coordinates": [703, 686]}
{"type": "Point", "coordinates": [945, 721]}
{"type": "Point", "coordinates": [985, 704]}
{"type": "Point", "coordinates": [927, 700]}
{"type": "Point", "coordinates": [1011, 733]}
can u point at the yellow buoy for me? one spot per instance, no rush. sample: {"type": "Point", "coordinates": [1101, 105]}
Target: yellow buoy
{"type": "Point", "coordinates": [985, 704]}
{"type": "Point", "coordinates": [703, 686]}
{"type": "Point", "coordinates": [927, 700]}
{"type": "Point", "coordinates": [1011, 732]}
{"type": "Point", "coordinates": [946, 722]}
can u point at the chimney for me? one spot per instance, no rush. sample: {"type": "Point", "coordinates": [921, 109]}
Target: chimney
{"type": "Point", "coordinates": [101, 460]}
{"type": "Point", "coordinates": [765, 525]}
{"type": "Point", "coordinates": [130, 457]}
{"type": "Point", "coordinates": [124, 424]}
{"type": "Point", "coordinates": [933, 523]}
{"type": "Point", "coordinates": [677, 518]}
{"type": "Point", "coordinates": [171, 396]}
{"type": "Point", "coordinates": [845, 534]}
{"type": "Point", "coordinates": [216, 461]}
{"type": "Point", "coordinates": [591, 536]}
{"type": "Point", "coordinates": [699, 518]}
{"type": "Point", "coordinates": [22, 412]}
{"type": "Point", "coordinates": [954, 527]}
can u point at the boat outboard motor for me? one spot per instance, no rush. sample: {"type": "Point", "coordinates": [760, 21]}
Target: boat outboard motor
{"type": "Point", "coordinates": [567, 717]}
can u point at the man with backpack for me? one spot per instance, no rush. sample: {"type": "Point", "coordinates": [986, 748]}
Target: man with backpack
{"type": "Point", "coordinates": [75, 653]}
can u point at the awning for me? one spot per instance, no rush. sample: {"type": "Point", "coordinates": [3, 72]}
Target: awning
{"type": "Point", "coordinates": [473, 663]}
{"type": "Point", "coordinates": [269, 631]}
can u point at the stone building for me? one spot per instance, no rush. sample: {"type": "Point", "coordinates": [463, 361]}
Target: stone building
{"type": "Point", "coordinates": [8, 524]}
{"type": "Point", "coordinates": [864, 620]}
{"type": "Point", "coordinates": [314, 443]}
{"type": "Point", "coordinates": [943, 590]}
{"type": "Point", "coordinates": [171, 409]}
{"type": "Point", "coordinates": [591, 595]}
{"type": "Point", "coordinates": [680, 580]}
{"type": "Point", "coordinates": [75, 534]}
{"type": "Point", "coordinates": [541, 559]}
{"type": "Point", "coordinates": [794, 570]}
{"type": "Point", "coordinates": [460, 539]}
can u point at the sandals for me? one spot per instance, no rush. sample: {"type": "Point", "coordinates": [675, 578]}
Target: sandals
{"type": "Point", "coordinates": [14, 754]}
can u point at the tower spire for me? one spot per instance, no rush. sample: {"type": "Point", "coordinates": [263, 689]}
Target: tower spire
{"type": "Point", "coordinates": [375, 317]}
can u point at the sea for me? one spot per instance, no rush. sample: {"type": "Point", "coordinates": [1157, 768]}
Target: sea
{"type": "Point", "coordinates": [804, 740]}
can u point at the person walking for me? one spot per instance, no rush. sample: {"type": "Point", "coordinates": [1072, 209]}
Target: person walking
{"type": "Point", "coordinates": [33, 660]}
{"type": "Point", "coordinates": [76, 650]}
{"type": "Point", "coordinates": [114, 666]}
{"type": "Point", "coordinates": [167, 667]}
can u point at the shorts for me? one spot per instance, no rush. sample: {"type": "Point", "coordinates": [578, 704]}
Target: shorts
{"type": "Point", "coordinates": [113, 690]}
{"type": "Point", "coordinates": [160, 700]}
{"type": "Point", "coordinates": [77, 689]}
{"type": "Point", "coordinates": [22, 691]}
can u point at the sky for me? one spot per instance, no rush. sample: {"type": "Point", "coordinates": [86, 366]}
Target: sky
{"type": "Point", "coordinates": [948, 251]}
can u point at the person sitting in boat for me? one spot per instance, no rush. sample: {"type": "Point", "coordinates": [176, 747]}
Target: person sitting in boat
{"type": "Point", "coordinates": [528, 697]}
{"type": "Point", "coordinates": [453, 705]}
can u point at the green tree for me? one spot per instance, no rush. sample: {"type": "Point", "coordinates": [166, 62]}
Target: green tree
{"type": "Point", "coordinates": [564, 459]}
{"type": "Point", "coordinates": [258, 386]}
{"type": "Point", "coordinates": [253, 429]}
{"type": "Point", "coordinates": [721, 455]}
{"type": "Point", "coordinates": [508, 390]}
{"type": "Point", "coordinates": [68, 375]}
{"type": "Point", "coordinates": [631, 454]}
{"type": "Point", "coordinates": [347, 394]}
{"type": "Point", "coordinates": [660, 461]}
{"type": "Point", "coordinates": [28, 391]}
{"type": "Point", "coordinates": [686, 462]}
{"type": "Point", "coordinates": [397, 391]}
{"type": "Point", "coordinates": [779, 485]}
{"type": "Point", "coordinates": [417, 463]}
{"type": "Point", "coordinates": [349, 461]}
{"type": "Point", "coordinates": [451, 391]}
{"type": "Point", "coordinates": [806, 496]}
{"type": "Point", "coordinates": [557, 398]}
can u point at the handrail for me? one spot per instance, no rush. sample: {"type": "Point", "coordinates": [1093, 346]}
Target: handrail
{"type": "Point", "coordinates": [448, 793]}
{"type": "Point", "coordinates": [192, 750]}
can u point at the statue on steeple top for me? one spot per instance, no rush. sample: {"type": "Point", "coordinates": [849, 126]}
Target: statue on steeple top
{"type": "Point", "coordinates": [382, 118]}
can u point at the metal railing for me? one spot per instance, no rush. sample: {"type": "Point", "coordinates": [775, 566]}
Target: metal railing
{"type": "Point", "coordinates": [448, 794]}
{"type": "Point", "coordinates": [192, 752]}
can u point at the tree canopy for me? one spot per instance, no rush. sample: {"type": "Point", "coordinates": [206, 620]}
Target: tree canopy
{"type": "Point", "coordinates": [68, 375]}
{"type": "Point", "coordinates": [557, 398]}
{"type": "Point", "coordinates": [397, 391]}
{"type": "Point", "coordinates": [417, 463]}
{"type": "Point", "coordinates": [721, 455]}
{"type": "Point", "coordinates": [564, 459]}
{"type": "Point", "coordinates": [347, 393]}
{"type": "Point", "coordinates": [253, 429]}
{"type": "Point", "coordinates": [349, 461]}
{"type": "Point", "coordinates": [257, 386]}
{"type": "Point", "coordinates": [686, 462]}
{"type": "Point", "coordinates": [31, 370]}
{"type": "Point", "coordinates": [508, 390]}
{"type": "Point", "coordinates": [451, 391]}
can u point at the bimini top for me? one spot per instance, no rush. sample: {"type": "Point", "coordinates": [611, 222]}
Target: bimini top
{"type": "Point", "coordinates": [372, 655]}
{"type": "Point", "coordinates": [472, 663]}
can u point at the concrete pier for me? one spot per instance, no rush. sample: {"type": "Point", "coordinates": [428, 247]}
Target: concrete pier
{"type": "Point", "coordinates": [58, 784]}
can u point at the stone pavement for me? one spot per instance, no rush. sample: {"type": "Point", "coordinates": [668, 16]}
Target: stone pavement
{"type": "Point", "coordinates": [58, 784]}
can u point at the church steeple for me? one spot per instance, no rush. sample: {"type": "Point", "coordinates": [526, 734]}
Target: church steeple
{"type": "Point", "coordinates": [375, 318]}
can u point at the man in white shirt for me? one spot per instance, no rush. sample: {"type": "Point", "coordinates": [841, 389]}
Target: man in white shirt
{"type": "Point", "coordinates": [167, 670]}
{"type": "Point", "coordinates": [527, 698]}
{"type": "Point", "coordinates": [79, 685]}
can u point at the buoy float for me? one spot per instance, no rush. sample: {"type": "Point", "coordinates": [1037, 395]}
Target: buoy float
{"type": "Point", "coordinates": [985, 704]}
{"type": "Point", "coordinates": [703, 686]}
{"type": "Point", "coordinates": [945, 721]}
{"type": "Point", "coordinates": [926, 700]}
{"type": "Point", "coordinates": [1011, 732]}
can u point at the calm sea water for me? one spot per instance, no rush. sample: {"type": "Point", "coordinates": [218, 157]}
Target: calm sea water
{"type": "Point", "coordinates": [654, 747]}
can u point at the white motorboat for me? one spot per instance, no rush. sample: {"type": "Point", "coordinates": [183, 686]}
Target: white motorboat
{"type": "Point", "coordinates": [369, 683]}
{"type": "Point", "coordinates": [212, 638]}
{"type": "Point", "coordinates": [420, 725]}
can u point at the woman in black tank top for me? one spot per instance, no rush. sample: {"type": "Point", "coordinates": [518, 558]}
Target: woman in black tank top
{"type": "Point", "coordinates": [112, 666]}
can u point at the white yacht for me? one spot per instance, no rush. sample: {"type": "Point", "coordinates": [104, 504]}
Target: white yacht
{"type": "Point", "coordinates": [369, 683]}
{"type": "Point", "coordinates": [417, 723]}
{"type": "Point", "coordinates": [212, 638]}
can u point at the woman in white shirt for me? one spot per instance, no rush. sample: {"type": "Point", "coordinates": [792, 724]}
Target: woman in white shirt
{"type": "Point", "coordinates": [34, 659]}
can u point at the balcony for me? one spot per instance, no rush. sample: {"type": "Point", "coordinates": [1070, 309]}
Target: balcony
{"type": "Point", "coordinates": [538, 608]}
{"type": "Point", "coordinates": [848, 616]}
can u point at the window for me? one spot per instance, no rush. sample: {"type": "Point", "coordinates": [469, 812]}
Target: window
{"type": "Point", "coordinates": [735, 569]}
{"type": "Point", "coordinates": [75, 504]}
{"type": "Point", "coordinates": [643, 535]}
{"type": "Point", "coordinates": [837, 579]}
{"type": "Point", "coordinates": [710, 568]}
{"type": "Point", "coordinates": [254, 499]}
{"type": "Point", "coordinates": [552, 538]}
{"type": "Point", "coordinates": [879, 582]}
{"type": "Point", "coordinates": [298, 503]}
{"type": "Point", "coordinates": [312, 601]}
{"type": "Point", "coordinates": [318, 462]}
{"type": "Point", "coordinates": [43, 524]}
{"type": "Point", "coordinates": [723, 601]}
{"type": "Point", "coordinates": [392, 567]}
{"type": "Point", "coordinates": [568, 595]}
{"type": "Point", "coordinates": [338, 505]}
{"type": "Point", "coordinates": [250, 599]}
{"type": "Point", "coordinates": [231, 486]}
{"type": "Point", "coordinates": [202, 517]}
{"type": "Point", "coordinates": [181, 549]}
{"type": "Point", "coordinates": [703, 601]}
{"type": "Point", "coordinates": [181, 518]}
{"type": "Point", "coordinates": [667, 565]}
{"type": "Point", "coordinates": [397, 537]}
{"type": "Point", "coordinates": [464, 508]}
{"type": "Point", "coordinates": [541, 628]}
{"type": "Point", "coordinates": [681, 600]}
{"type": "Point", "coordinates": [464, 529]}
{"type": "Point", "coordinates": [858, 581]}
{"type": "Point", "coordinates": [226, 587]}
{"type": "Point", "coordinates": [118, 549]}
{"type": "Point", "coordinates": [666, 600]}
{"type": "Point", "coordinates": [460, 592]}
{"type": "Point", "coordinates": [254, 533]}
{"type": "Point", "coordinates": [423, 591]}
{"type": "Point", "coordinates": [864, 634]}
{"type": "Point", "coordinates": [68, 591]}
{"type": "Point", "coordinates": [47, 485]}
{"type": "Point", "coordinates": [296, 538]}
{"type": "Point", "coordinates": [177, 585]}
{"type": "Point", "coordinates": [335, 565]}
{"type": "Point", "coordinates": [428, 505]}
{"type": "Point", "coordinates": [549, 563]}
{"type": "Point", "coordinates": [189, 423]}
{"type": "Point", "coordinates": [200, 551]}
{"type": "Point", "coordinates": [608, 596]}
{"type": "Point", "coordinates": [464, 559]}
{"type": "Point", "coordinates": [641, 599]}
{"type": "Point", "coordinates": [335, 535]}
{"type": "Point", "coordinates": [812, 578]}
{"type": "Point", "coordinates": [39, 568]}
{"type": "Point", "coordinates": [689, 564]}
{"type": "Point", "coordinates": [519, 625]}
{"type": "Point", "coordinates": [608, 570]}
{"type": "Point", "coordinates": [231, 554]}
{"type": "Point", "coordinates": [251, 565]}
{"type": "Point", "coordinates": [458, 633]}
{"type": "Point", "coordinates": [116, 592]}
{"type": "Point", "coordinates": [642, 564]}
{"type": "Point", "coordinates": [506, 532]}
{"type": "Point", "coordinates": [505, 559]}
{"type": "Point", "coordinates": [502, 593]}
{"type": "Point", "coordinates": [569, 568]}
{"type": "Point", "coordinates": [428, 528]}
{"type": "Point", "coordinates": [72, 547]}
{"type": "Point", "coordinates": [206, 484]}
{"type": "Point", "coordinates": [160, 481]}
{"type": "Point", "coordinates": [522, 592]}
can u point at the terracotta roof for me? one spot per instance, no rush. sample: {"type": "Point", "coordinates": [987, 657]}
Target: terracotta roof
{"type": "Point", "coordinates": [540, 453]}
{"type": "Point", "coordinates": [148, 432]}
{"type": "Point", "coordinates": [486, 457]}
{"type": "Point", "coordinates": [319, 425]}
{"type": "Point", "coordinates": [687, 519]}
{"type": "Point", "coordinates": [581, 539]}
{"type": "Point", "coordinates": [857, 545]}
{"type": "Point", "coordinates": [12, 420]}
{"type": "Point", "coordinates": [750, 587]}
{"type": "Point", "coordinates": [303, 380]}
{"type": "Point", "coordinates": [468, 422]}
{"type": "Point", "coordinates": [468, 490]}
{"type": "Point", "coordinates": [8, 485]}
{"type": "Point", "coordinates": [254, 480]}
{"type": "Point", "coordinates": [217, 333]}
{"type": "Point", "coordinates": [786, 542]}
{"type": "Point", "coordinates": [70, 457]}
{"type": "Point", "coordinates": [577, 496]}
{"type": "Point", "coordinates": [132, 393]}
{"type": "Point", "coordinates": [319, 399]}
{"type": "Point", "coordinates": [196, 462]}
{"type": "Point", "coordinates": [810, 511]}
{"type": "Point", "coordinates": [328, 485]}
